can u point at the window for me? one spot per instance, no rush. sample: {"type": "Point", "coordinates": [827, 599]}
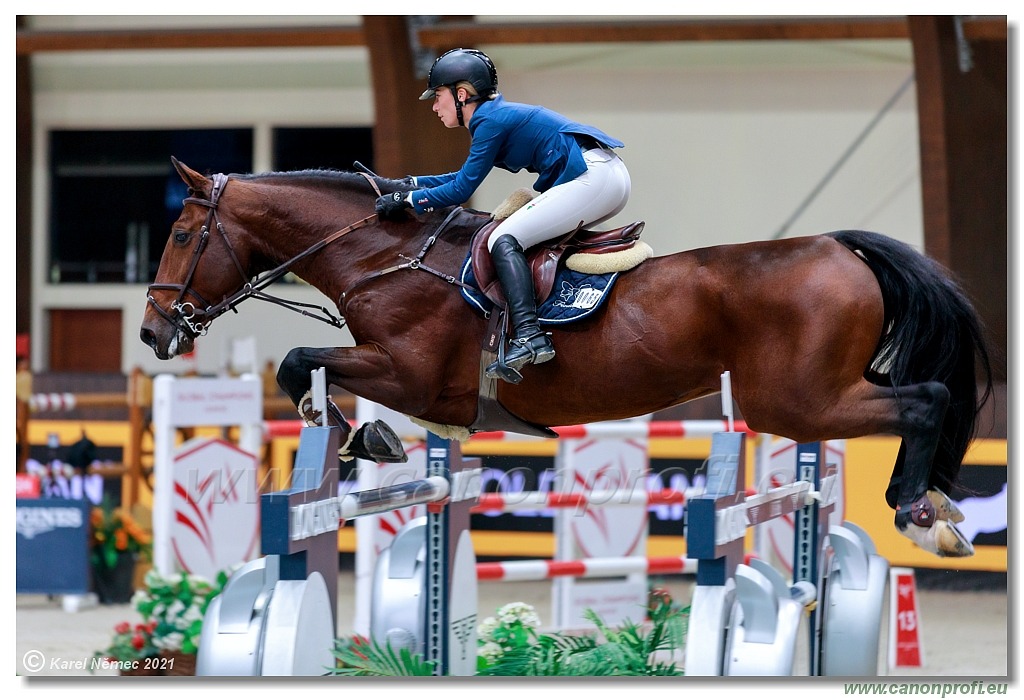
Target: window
{"type": "Point", "coordinates": [115, 194]}
{"type": "Point", "coordinates": [322, 148]}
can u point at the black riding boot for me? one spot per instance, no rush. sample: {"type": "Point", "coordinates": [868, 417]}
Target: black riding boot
{"type": "Point", "coordinates": [528, 344]}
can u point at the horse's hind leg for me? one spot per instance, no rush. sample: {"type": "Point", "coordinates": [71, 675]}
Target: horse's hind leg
{"type": "Point", "coordinates": [923, 512]}
{"type": "Point", "coordinates": [375, 442]}
{"type": "Point", "coordinates": [915, 413]}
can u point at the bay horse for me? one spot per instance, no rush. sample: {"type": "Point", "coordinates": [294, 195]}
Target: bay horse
{"type": "Point", "coordinates": [839, 335]}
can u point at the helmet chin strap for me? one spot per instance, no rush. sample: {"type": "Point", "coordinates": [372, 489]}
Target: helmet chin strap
{"type": "Point", "coordinates": [459, 104]}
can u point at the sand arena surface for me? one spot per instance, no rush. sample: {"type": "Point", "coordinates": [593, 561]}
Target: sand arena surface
{"type": "Point", "coordinates": [965, 632]}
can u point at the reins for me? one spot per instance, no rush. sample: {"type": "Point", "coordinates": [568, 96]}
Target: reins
{"type": "Point", "coordinates": [195, 321]}
{"type": "Point", "coordinates": [415, 263]}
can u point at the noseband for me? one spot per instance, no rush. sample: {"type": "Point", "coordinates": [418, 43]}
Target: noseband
{"type": "Point", "coordinates": [194, 319]}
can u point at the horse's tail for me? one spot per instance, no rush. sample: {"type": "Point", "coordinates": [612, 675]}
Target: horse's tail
{"type": "Point", "coordinates": [931, 333]}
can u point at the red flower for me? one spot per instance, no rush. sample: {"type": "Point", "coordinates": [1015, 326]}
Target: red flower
{"type": "Point", "coordinates": [123, 628]}
{"type": "Point", "coordinates": [358, 641]}
{"type": "Point", "coordinates": [138, 642]}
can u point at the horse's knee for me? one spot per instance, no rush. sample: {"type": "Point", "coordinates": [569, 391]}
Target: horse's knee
{"type": "Point", "coordinates": [290, 376]}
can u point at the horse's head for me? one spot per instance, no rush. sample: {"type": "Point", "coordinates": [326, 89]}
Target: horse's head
{"type": "Point", "coordinates": [235, 235]}
{"type": "Point", "coordinates": [199, 268]}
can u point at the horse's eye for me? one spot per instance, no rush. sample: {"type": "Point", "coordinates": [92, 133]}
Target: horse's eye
{"type": "Point", "coordinates": [181, 237]}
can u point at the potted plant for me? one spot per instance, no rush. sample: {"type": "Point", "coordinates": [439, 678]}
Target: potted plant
{"type": "Point", "coordinates": [175, 606]}
{"type": "Point", "coordinates": [131, 651]}
{"type": "Point", "coordinates": [117, 543]}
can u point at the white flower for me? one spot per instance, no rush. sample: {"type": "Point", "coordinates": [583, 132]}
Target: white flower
{"type": "Point", "coordinates": [197, 580]}
{"type": "Point", "coordinates": [171, 641]}
{"type": "Point", "coordinates": [190, 615]}
{"type": "Point", "coordinates": [486, 628]}
{"type": "Point", "coordinates": [520, 612]}
{"type": "Point", "coordinates": [490, 651]}
{"type": "Point", "coordinates": [175, 609]}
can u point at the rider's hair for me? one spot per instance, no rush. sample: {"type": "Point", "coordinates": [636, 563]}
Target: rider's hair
{"type": "Point", "coordinates": [472, 90]}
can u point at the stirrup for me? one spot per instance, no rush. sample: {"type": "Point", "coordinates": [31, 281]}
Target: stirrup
{"type": "Point", "coordinates": [525, 352]}
{"type": "Point", "coordinates": [499, 369]}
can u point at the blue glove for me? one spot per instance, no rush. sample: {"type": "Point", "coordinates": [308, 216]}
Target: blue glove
{"type": "Point", "coordinates": [392, 206]}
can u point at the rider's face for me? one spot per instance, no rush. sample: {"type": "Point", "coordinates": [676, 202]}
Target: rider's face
{"type": "Point", "coordinates": [444, 107]}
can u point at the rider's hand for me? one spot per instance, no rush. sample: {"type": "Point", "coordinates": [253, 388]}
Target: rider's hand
{"type": "Point", "coordinates": [392, 206]}
{"type": "Point", "coordinates": [408, 180]}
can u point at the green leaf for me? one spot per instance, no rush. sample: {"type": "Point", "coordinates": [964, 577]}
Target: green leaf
{"type": "Point", "coordinates": [372, 659]}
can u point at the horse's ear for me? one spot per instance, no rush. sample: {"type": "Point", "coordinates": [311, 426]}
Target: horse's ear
{"type": "Point", "coordinates": [193, 179]}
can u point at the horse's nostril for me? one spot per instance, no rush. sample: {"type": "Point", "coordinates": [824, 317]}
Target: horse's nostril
{"type": "Point", "coordinates": [148, 337]}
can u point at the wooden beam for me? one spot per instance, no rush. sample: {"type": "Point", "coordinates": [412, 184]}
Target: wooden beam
{"type": "Point", "coordinates": [408, 139]}
{"type": "Point", "coordinates": [29, 41]}
{"type": "Point", "coordinates": [466, 34]}
{"type": "Point", "coordinates": [460, 33]}
{"type": "Point", "coordinates": [962, 128]}
{"type": "Point", "coordinates": [24, 154]}
{"type": "Point", "coordinates": [765, 29]}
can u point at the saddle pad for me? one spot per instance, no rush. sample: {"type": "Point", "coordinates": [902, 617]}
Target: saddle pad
{"type": "Point", "coordinates": [575, 295]}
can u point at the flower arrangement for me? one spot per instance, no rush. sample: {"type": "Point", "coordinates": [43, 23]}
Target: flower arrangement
{"type": "Point", "coordinates": [174, 605]}
{"type": "Point", "coordinates": [129, 643]}
{"type": "Point", "coordinates": [514, 628]}
{"type": "Point", "coordinates": [509, 644]}
{"type": "Point", "coordinates": [115, 531]}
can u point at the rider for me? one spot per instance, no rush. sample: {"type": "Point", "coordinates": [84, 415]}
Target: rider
{"type": "Point", "coordinates": [581, 179]}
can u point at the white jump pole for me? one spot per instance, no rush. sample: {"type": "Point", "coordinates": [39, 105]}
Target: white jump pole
{"type": "Point", "coordinates": [727, 399]}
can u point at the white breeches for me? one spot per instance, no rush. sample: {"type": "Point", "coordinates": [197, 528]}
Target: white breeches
{"type": "Point", "coordinates": [593, 197]}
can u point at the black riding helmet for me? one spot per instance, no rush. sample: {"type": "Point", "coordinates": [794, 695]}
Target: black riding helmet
{"type": "Point", "coordinates": [456, 65]}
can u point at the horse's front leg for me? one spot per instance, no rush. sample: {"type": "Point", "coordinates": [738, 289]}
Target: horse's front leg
{"type": "Point", "coordinates": [375, 441]}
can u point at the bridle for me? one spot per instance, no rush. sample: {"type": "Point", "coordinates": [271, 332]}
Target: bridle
{"type": "Point", "coordinates": [194, 319]}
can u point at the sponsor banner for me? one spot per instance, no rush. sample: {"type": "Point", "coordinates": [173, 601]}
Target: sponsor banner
{"type": "Point", "coordinates": [52, 554]}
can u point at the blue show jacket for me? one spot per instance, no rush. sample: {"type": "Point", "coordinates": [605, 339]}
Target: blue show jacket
{"type": "Point", "coordinates": [512, 136]}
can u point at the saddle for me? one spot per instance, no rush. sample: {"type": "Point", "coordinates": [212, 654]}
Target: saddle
{"type": "Point", "coordinates": [544, 259]}
{"type": "Point", "coordinates": [594, 251]}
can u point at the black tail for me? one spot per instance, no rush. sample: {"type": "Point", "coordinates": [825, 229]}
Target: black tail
{"type": "Point", "coordinates": [932, 333]}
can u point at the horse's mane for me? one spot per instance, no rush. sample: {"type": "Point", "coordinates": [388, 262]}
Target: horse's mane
{"type": "Point", "coordinates": [317, 177]}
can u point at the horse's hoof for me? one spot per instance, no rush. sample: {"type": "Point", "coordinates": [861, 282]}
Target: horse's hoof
{"type": "Point", "coordinates": [377, 442]}
{"type": "Point", "coordinates": [945, 509]}
{"type": "Point", "coordinates": [942, 539]}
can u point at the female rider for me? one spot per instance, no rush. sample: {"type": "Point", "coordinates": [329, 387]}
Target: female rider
{"type": "Point", "coordinates": [581, 181]}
